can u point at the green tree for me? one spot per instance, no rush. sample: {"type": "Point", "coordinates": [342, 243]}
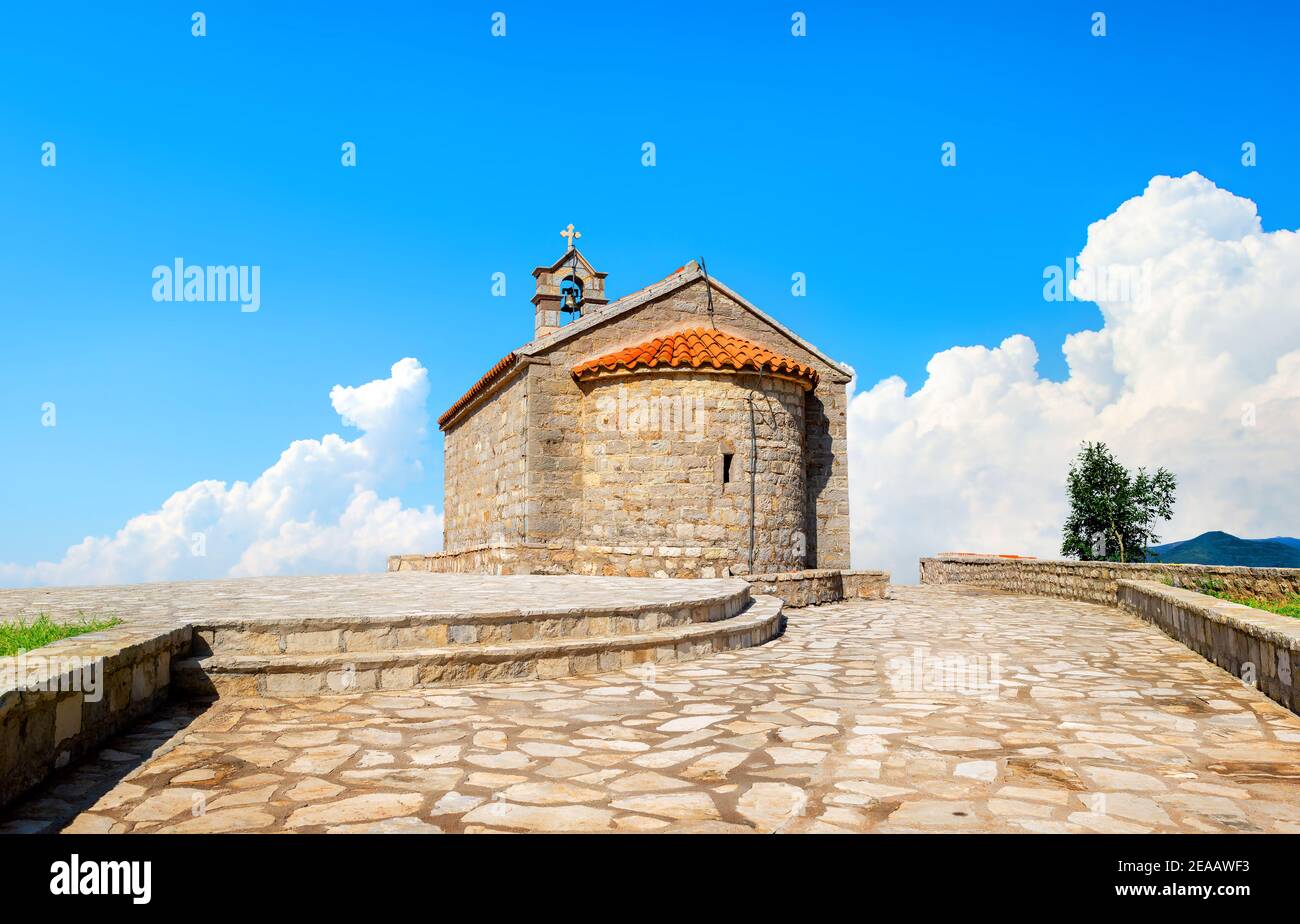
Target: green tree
{"type": "Point", "coordinates": [1113, 513]}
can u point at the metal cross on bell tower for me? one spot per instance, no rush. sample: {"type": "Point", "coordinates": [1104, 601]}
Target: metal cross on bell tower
{"type": "Point", "coordinates": [571, 288]}
{"type": "Point", "coordinates": [566, 289]}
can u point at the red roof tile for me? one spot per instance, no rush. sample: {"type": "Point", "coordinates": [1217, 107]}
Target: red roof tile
{"type": "Point", "coordinates": [984, 555]}
{"type": "Point", "coordinates": [697, 348]}
{"type": "Point", "coordinates": [500, 369]}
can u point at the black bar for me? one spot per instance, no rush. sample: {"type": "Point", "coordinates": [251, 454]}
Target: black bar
{"type": "Point", "coordinates": [557, 874]}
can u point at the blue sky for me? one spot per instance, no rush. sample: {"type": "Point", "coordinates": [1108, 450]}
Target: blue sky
{"type": "Point", "coordinates": [775, 154]}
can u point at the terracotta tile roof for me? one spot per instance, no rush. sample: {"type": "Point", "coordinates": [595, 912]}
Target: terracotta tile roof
{"type": "Point", "coordinates": [500, 369]}
{"type": "Point", "coordinates": [699, 347]}
{"type": "Point", "coordinates": [984, 555]}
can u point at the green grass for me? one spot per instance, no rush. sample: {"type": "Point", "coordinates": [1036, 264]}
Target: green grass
{"type": "Point", "coordinates": [1287, 606]}
{"type": "Point", "coordinates": [21, 635]}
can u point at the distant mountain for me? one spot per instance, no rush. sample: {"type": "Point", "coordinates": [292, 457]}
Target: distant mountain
{"type": "Point", "coordinates": [1217, 548]}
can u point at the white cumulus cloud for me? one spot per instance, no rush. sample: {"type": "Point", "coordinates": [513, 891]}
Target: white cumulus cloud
{"type": "Point", "coordinates": [320, 508]}
{"type": "Point", "coordinates": [1196, 369]}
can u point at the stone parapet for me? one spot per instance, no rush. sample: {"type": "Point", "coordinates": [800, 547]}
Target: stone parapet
{"type": "Point", "coordinates": [376, 632]}
{"type": "Point", "coordinates": [824, 585]}
{"type": "Point", "coordinates": [485, 559]}
{"type": "Point", "coordinates": [1097, 581]}
{"type": "Point", "coordinates": [406, 668]}
{"type": "Point", "coordinates": [63, 700]}
{"type": "Point", "coordinates": [658, 561]}
{"type": "Point", "coordinates": [810, 587]}
{"type": "Point", "coordinates": [865, 585]}
{"type": "Point", "coordinates": [1256, 646]}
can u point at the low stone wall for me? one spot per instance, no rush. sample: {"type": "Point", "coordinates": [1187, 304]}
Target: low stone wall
{"type": "Point", "coordinates": [452, 666]}
{"type": "Point", "coordinates": [63, 700]}
{"type": "Point", "coordinates": [608, 561]}
{"type": "Point", "coordinates": [1256, 646]}
{"type": "Point", "coordinates": [800, 588]}
{"type": "Point", "coordinates": [487, 559]}
{"type": "Point", "coordinates": [813, 586]}
{"type": "Point", "coordinates": [1097, 581]}
{"type": "Point", "coordinates": [864, 585]}
{"type": "Point", "coordinates": [666, 561]}
{"type": "Point", "coordinates": [818, 586]}
{"type": "Point", "coordinates": [797, 588]}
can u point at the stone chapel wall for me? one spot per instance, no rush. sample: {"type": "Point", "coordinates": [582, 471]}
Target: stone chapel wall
{"type": "Point", "coordinates": [485, 475]}
{"type": "Point", "coordinates": [666, 469]}
{"type": "Point", "coordinates": [555, 412]}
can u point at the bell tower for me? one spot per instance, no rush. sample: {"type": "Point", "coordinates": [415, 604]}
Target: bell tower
{"type": "Point", "coordinates": [567, 289]}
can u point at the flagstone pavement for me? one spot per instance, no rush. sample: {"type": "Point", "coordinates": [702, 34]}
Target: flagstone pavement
{"type": "Point", "coordinates": [939, 709]}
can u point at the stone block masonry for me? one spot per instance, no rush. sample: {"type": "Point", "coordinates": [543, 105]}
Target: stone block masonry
{"type": "Point", "coordinates": [63, 700]}
{"type": "Point", "coordinates": [483, 559]}
{"type": "Point", "coordinates": [809, 587]}
{"type": "Point", "coordinates": [1098, 581]}
{"type": "Point", "coordinates": [655, 561]}
{"type": "Point", "coordinates": [660, 482]}
{"type": "Point", "coordinates": [660, 470]}
{"type": "Point", "coordinates": [816, 587]}
{"type": "Point", "coordinates": [490, 653]}
{"type": "Point", "coordinates": [486, 461]}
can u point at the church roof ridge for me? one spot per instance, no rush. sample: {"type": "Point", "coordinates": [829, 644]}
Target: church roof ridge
{"type": "Point", "coordinates": [504, 365]}
{"type": "Point", "coordinates": [682, 276]}
{"type": "Point", "coordinates": [565, 258]}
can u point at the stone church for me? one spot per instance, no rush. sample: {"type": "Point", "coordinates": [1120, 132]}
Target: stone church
{"type": "Point", "coordinates": [677, 431]}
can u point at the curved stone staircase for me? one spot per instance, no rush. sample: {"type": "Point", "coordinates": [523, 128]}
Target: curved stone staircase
{"type": "Point", "coordinates": [323, 654]}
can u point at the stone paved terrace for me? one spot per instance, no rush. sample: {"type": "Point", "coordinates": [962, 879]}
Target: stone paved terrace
{"type": "Point", "coordinates": [351, 595]}
{"type": "Point", "coordinates": [1097, 723]}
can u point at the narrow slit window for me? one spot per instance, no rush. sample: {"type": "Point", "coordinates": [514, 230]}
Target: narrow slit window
{"type": "Point", "coordinates": [726, 467]}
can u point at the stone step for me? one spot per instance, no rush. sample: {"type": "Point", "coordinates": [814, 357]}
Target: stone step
{"type": "Point", "coordinates": [349, 634]}
{"type": "Point", "coordinates": [452, 665]}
